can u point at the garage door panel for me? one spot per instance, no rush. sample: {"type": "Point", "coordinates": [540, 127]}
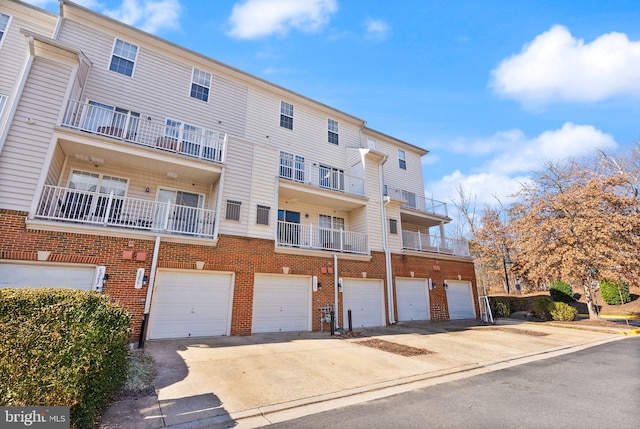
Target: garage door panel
{"type": "Point", "coordinates": [281, 304]}
{"type": "Point", "coordinates": [42, 275]}
{"type": "Point", "coordinates": [365, 300]}
{"type": "Point", "coordinates": [460, 300]}
{"type": "Point", "coordinates": [412, 299]}
{"type": "Point", "coordinates": [190, 305]}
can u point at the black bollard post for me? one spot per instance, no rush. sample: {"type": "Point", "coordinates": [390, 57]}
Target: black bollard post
{"type": "Point", "coordinates": [333, 323]}
{"type": "Point", "coordinates": [349, 315]}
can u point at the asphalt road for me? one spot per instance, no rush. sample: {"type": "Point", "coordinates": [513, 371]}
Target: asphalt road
{"type": "Point", "coordinates": [594, 388]}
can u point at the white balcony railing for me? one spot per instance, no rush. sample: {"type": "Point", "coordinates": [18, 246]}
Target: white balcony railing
{"type": "Point", "coordinates": [71, 205]}
{"type": "Point", "coordinates": [319, 175]}
{"type": "Point", "coordinates": [183, 139]}
{"type": "Point", "coordinates": [426, 205]}
{"type": "Point", "coordinates": [433, 243]}
{"type": "Point", "coordinates": [291, 234]}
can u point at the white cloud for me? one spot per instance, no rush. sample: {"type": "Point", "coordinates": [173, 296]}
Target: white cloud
{"type": "Point", "coordinates": [556, 67]}
{"type": "Point", "coordinates": [510, 158]}
{"type": "Point", "coordinates": [259, 18]}
{"type": "Point", "coordinates": [148, 15]}
{"type": "Point", "coordinates": [376, 29]}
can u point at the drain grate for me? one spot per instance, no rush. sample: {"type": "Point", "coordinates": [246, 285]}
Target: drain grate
{"type": "Point", "coordinates": [399, 349]}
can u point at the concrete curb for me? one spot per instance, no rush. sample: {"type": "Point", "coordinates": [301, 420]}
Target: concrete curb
{"type": "Point", "coordinates": [263, 416]}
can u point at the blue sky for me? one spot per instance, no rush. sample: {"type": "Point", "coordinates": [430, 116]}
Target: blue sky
{"type": "Point", "coordinates": [491, 88]}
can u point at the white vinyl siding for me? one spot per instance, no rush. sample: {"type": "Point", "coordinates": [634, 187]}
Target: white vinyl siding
{"type": "Point", "coordinates": [262, 189]}
{"type": "Point", "coordinates": [238, 186]}
{"type": "Point", "coordinates": [123, 57]}
{"type": "Point", "coordinates": [27, 144]}
{"type": "Point", "coordinates": [224, 113]}
{"type": "Point", "coordinates": [14, 46]}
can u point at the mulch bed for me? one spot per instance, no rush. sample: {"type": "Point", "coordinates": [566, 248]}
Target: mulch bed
{"type": "Point", "coordinates": [388, 346]}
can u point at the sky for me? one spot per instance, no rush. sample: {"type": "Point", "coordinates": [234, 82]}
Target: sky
{"type": "Point", "coordinates": [492, 89]}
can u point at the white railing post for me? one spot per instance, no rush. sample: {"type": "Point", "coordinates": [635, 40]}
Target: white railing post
{"type": "Point", "coordinates": [165, 224]}
{"type": "Point", "coordinates": [108, 208]}
{"type": "Point", "coordinates": [312, 242]}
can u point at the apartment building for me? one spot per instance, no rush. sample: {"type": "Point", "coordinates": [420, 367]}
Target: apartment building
{"type": "Point", "coordinates": [204, 199]}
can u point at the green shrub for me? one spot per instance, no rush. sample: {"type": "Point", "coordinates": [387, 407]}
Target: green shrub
{"type": "Point", "coordinates": [500, 308]}
{"type": "Point", "coordinates": [562, 312]}
{"type": "Point", "coordinates": [611, 291]}
{"type": "Point", "coordinates": [61, 347]}
{"type": "Point", "coordinates": [541, 308]}
{"type": "Point", "coordinates": [561, 291]}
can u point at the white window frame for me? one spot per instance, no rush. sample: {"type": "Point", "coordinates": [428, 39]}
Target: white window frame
{"type": "Point", "coordinates": [402, 159]}
{"type": "Point", "coordinates": [286, 111]}
{"type": "Point", "coordinates": [114, 55]}
{"type": "Point", "coordinates": [333, 130]}
{"type": "Point", "coordinates": [202, 81]}
{"type": "Point", "coordinates": [3, 31]}
{"type": "Point", "coordinates": [3, 102]}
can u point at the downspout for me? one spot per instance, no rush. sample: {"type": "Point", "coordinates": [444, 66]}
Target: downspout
{"type": "Point", "coordinates": [216, 225]}
{"type": "Point", "coordinates": [335, 289]}
{"type": "Point", "coordinates": [17, 94]}
{"type": "Point", "coordinates": [385, 244]}
{"type": "Point", "coordinates": [147, 302]}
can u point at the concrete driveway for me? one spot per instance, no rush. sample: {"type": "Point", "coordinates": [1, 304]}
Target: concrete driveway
{"type": "Point", "coordinates": [251, 381]}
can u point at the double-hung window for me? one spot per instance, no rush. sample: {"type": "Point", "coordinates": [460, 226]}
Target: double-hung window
{"type": "Point", "coordinates": [332, 130]}
{"type": "Point", "coordinates": [331, 231]}
{"type": "Point", "coordinates": [402, 159]}
{"type": "Point", "coordinates": [123, 58]}
{"type": "Point", "coordinates": [200, 84]}
{"type": "Point", "coordinates": [4, 24]}
{"type": "Point", "coordinates": [286, 115]}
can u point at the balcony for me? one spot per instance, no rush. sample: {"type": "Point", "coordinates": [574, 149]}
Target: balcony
{"type": "Point", "coordinates": [415, 202]}
{"type": "Point", "coordinates": [422, 242]}
{"type": "Point", "coordinates": [85, 207]}
{"type": "Point", "coordinates": [321, 176]}
{"type": "Point", "coordinates": [296, 235]}
{"type": "Point", "coordinates": [172, 136]}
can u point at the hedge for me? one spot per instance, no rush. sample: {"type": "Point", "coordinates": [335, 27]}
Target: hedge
{"type": "Point", "coordinates": [612, 290]}
{"type": "Point", "coordinates": [562, 312]}
{"type": "Point", "coordinates": [61, 347]}
{"type": "Point", "coordinates": [561, 291]}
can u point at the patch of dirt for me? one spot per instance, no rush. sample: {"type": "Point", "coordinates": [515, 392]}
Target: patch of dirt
{"type": "Point", "coordinates": [600, 323]}
{"type": "Point", "coordinates": [399, 349]}
{"type": "Point", "coordinates": [350, 334]}
{"type": "Point", "coordinates": [140, 374]}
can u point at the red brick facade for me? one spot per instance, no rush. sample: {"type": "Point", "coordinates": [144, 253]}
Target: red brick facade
{"type": "Point", "coordinates": [244, 256]}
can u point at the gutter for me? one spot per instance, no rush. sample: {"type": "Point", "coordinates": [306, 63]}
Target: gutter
{"type": "Point", "coordinates": [385, 244]}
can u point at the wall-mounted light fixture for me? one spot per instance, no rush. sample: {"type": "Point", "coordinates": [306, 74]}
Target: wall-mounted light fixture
{"type": "Point", "coordinates": [446, 286]}
{"type": "Point", "coordinates": [104, 279]}
{"type": "Point", "coordinates": [340, 284]}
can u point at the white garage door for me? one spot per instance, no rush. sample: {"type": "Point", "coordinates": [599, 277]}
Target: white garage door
{"type": "Point", "coordinates": [191, 304]}
{"type": "Point", "coordinates": [460, 300]}
{"type": "Point", "coordinates": [46, 275]}
{"type": "Point", "coordinates": [365, 299]}
{"type": "Point", "coordinates": [281, 303]}
{"type": "Point", "coordinates": [412, 297]}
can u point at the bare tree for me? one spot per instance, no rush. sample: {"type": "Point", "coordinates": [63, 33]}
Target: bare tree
{"type": "Point", "coordinates": [576, 223]}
